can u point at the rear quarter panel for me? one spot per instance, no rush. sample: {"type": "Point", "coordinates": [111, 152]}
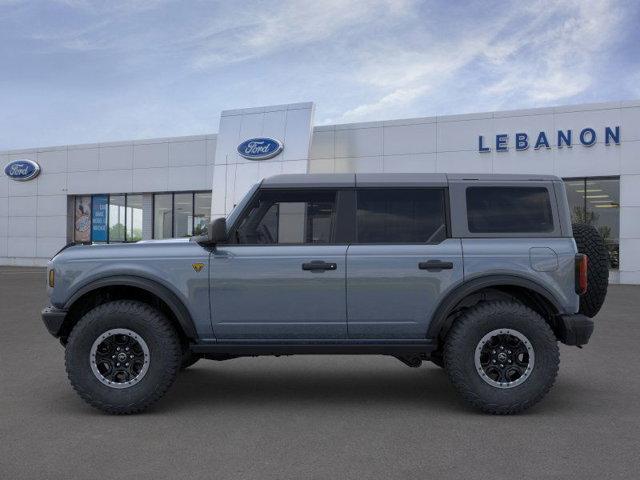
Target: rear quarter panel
{"type": "Point", "coordinates": [549, 262]}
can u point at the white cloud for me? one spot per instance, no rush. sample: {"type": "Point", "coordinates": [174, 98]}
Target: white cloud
{"type": "Point", "coordinates": [555, 63]}
{"type": "Point", "coordinates": [398, 98]}
{"type": "Point", "coordinates": [165, 67]}
{"type": "Point", "coordinates": [253, 33]}
{"type": "Point", "coordinates": [543, 51]}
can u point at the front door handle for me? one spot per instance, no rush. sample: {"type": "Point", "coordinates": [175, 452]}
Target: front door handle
{"type": "Point", "coordinates": [319, 266]}
{"type": "Point", "coordinates": [435, 265]}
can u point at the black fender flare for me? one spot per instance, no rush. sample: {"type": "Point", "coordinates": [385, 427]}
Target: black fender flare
{"type": "Point", "coordinates": [467, 288]}
{"type": "Point", "coordinates": [176, 306]}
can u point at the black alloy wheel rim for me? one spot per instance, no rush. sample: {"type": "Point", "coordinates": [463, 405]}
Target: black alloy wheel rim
{"type": "Point", "coordinates": [119, 358]}
{"type": "Point", "coordinates": [504, 358]}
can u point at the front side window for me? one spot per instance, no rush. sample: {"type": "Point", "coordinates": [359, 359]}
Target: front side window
{"type": "Point", "coordinates": [288, 217]}
{"type": "Point", "coordinates": [509, 210]}
{"type": "Point", "coordinates": [401, 216]}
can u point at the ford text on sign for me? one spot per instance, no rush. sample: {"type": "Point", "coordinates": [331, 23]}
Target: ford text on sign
{"type": "Point", "coordinates": [260, 148]}
{"type": "Point", "coordinates": [22, 170]}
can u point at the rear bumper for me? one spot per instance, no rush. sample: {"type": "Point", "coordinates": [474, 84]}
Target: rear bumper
{"type": "Point", "coordinates": [574, 329]}
{"type": "Point", "coordinates": [53, 319]}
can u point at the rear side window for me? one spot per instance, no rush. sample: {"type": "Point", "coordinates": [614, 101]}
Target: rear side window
{"type": "Point", "coordinates": [401, 216]}
{"type": "Point", "coordinates": [509, 210]}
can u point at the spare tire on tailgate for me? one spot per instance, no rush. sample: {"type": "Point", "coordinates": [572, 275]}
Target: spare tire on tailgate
{"type": "Point", "coordinates": [591, 243]}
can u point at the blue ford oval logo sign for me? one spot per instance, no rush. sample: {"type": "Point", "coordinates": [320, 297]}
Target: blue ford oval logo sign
{"type": "Point", "coordinates": [22, 170]}
{"type": "Point", "coordinates": [260, 148]}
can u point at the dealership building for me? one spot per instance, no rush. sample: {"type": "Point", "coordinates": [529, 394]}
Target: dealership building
{"type": "Point", "coordinates": [171, 187]}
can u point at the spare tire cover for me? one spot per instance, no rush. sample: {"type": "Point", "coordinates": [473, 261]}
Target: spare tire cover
{"type": "Point", "coordinates": [591, 243]}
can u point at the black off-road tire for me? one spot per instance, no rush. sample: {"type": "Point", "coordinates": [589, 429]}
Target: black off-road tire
{"type": "Point", "coordinates": [465, 336]}
{"type": "Point", "coordinates": [188, 358]}
{"type": "Point", "coordinates": [164, 356]}
{"type": "Point", "coordinates": [590, 242]}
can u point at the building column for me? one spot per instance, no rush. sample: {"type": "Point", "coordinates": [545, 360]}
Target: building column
{"type": "Point", "coordinates": [629, 229]}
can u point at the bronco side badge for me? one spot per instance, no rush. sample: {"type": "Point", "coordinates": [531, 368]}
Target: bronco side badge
{"type": "Point", "coordinates": [198, 266]}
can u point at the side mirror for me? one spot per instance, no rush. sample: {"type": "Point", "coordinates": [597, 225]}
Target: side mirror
{"type": "Point", "coordinates": [217, 231]}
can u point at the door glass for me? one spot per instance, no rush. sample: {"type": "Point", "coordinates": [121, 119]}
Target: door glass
{"type": "Point", "coordinates": [293, 217]}
{"type": "Point", "coordinates": [401, 216]}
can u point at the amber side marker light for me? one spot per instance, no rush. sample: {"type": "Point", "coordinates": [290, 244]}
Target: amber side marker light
{"type": "Point", "coordinates": [52, 278]}
{"type": "Point", "coordinates": [582, 262]}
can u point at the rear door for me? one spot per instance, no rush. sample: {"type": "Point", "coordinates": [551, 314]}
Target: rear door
{"type": "Point", "coordinates": [401, 262]}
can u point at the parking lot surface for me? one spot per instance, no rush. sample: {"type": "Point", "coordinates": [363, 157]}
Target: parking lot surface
{"type": "Point", "coordinates": [331, 417]}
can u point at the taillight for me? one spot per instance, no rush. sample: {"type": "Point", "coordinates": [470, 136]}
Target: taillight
{"type": "Point", "coordinates": [581, 273]}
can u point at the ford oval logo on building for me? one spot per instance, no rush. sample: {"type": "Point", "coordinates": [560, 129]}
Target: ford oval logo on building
{"type": "Point", "coordinates": [260, 148]}
{"type": "Point", "coordinates": [22, 170]}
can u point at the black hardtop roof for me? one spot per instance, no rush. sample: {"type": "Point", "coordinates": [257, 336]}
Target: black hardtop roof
{"type": "Point", "coordinates": [320, 180]}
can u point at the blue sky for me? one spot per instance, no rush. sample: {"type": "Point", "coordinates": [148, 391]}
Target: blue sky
{"type": "Point", "coordinates": [76, 71]}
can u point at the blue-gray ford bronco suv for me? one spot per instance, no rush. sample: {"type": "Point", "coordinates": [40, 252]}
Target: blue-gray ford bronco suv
{"type": "Point", "coordinates": [480, 274]}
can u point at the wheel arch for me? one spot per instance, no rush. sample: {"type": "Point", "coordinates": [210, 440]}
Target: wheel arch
{"type": "Point", "coordinates": [130, 287]}
{"type": "Point", "coordinates": [528, 291]}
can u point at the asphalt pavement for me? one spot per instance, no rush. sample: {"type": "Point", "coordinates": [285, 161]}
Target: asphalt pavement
{"type": "Point", "coordinates": [320, 417]}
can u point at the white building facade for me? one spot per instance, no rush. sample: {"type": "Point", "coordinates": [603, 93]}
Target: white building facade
{"type": "Point", "coordinates": [171, 187]}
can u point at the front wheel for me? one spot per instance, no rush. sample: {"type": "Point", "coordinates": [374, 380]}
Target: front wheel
{"type": "Point", "coordinates": [502, 357]}
{"type": "Point", "coordinates": [122, 356]}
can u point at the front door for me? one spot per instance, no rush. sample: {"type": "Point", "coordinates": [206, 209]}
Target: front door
{"type": "Point", "coordinates": [281, 276]}
{"type": "Point", "coordinates": [401, 263]}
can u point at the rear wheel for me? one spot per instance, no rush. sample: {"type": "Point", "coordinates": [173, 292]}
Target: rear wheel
{"type": "Point", "coordinates": [502, 357]}
{"type": "Point", "coordinates": [122, 356]}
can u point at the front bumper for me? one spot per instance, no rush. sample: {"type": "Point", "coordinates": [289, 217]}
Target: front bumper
{"type": "Point", "coordinates": [574, 329]}
{"type": "Point", "coordinates": [53, 319]}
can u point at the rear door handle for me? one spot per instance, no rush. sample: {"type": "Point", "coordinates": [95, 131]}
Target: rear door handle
{"type": "Point", "coordinates": [435, 265]}
{"type": "Point", "coordinates": [319, 266]}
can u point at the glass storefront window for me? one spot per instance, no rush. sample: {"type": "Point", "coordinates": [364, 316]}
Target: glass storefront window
{"type": "Point", "coordinates": [82, 219]}
{"type": "Point", "coordinates": [162, 215]}
{"type": "Point", "coordinates": [201, 212]}
{"type": "Point", "coordinates": [117, 218]}
{"type": "Point", "coordinates": [134, 218]}
{"type": "Point", "coordinates": [596, 202]}
{"type": "Point", "coordinates": [99, 216]}
{"type": "Point", "coordinates": [183, 214]}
